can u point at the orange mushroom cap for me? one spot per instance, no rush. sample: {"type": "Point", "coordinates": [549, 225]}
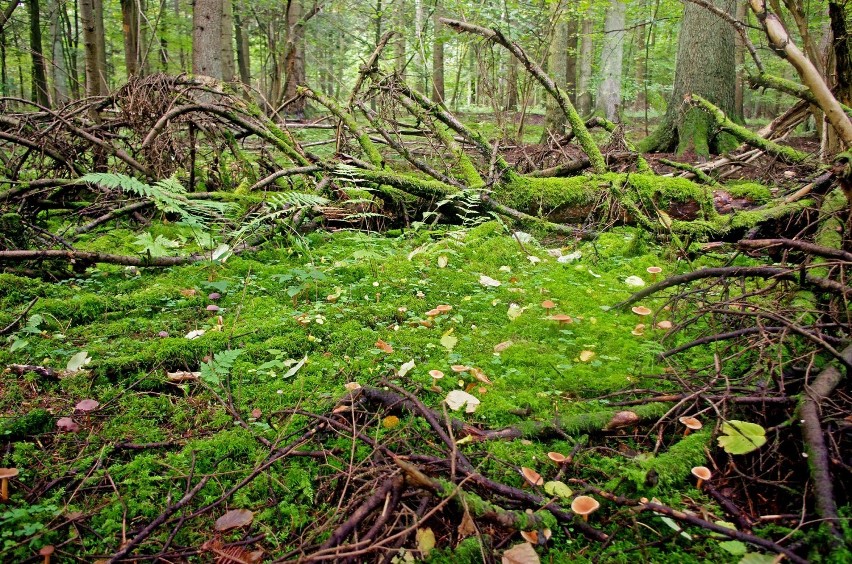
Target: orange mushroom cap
{"type": "Point", "coordinates": [702, 472]}
{"type": "Point", "coordinates": [691, 422]}
{"type": "Point", "coordinates": [584, 505]}
{"type": "Point", "coordinates": [640, 310]}
{"type": "Point", "coordinates": [532, 476]}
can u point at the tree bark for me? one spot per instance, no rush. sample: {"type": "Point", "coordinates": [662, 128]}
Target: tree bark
{"type": "Point", "coordinates": [92, 21]}
{"type": "Point", "coordinates": [130, 24]}
{"type": "Point", "coordinates": [706, 65]}
{"type": "Point", "coordinates": [39, 72]}
{"type": "Point", "coordinates": [612, 54]}
{"type": "Point", "coordinates": [227, 38]}
{"type": "Point", "coordinates": [58, 67]}
{"type": "Point", "coordinates": [437, 56]}
{"type": "Point", "coordinates": [584, 78]}
{"type": "Point", "coordinates": [243, 60]}
{"type": "Point", "coordinates": [294, 59]}
{"type": "Point", "coordinates": [554, 119]}
{"type": "Point", "coordinates": [207, 38]}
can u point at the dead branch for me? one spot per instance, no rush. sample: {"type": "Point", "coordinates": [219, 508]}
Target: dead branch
{"type": "Point", "coordinates": [818, 460]}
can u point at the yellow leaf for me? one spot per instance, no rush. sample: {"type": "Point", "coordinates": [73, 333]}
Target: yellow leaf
{"type": "Point", "coordinates": [586, 356]}
{"type": "Point", "coordinates": [425, 541]}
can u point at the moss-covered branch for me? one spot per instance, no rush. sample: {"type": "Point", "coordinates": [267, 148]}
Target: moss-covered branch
{"type": "Point", "coordinates": [786, 154]}
{"type": "Point", "coordinates": [764, 80]}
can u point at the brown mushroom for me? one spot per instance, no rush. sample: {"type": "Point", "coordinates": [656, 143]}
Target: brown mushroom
{"type": "Point", "coordinates": [46, 551]}
{"type": "Point", "coordinates": [561, 319]}
{"type": "Point", "coordinates": [702, 473]}
{"type": "Point", "coordinates": [664, 324]}
{"type": "Point", "coordinates": [459, 368]}
{"type": "Point", "coordinates": [653, 271]}
{"type": "Point", "coordinates": [639, 329]}
{"type": "Point", "coordinates": [640, 310]}
{"type": "Point", "coordinates": [584, 506]}
{"type": "Point", "coordinates": [436, 375]}
{"type": "Point", "coordinates": [5, 474]}
{"type": "Point", "coordinates": [691, 423]}
{"type": "Point", "coordinates": [530, 536]}
{"type": "Point", "coordinates": [86, 406]}
{"type": "Point", "coordinates": [557, 457]}
{"type": "Point", "coordinates": [444, 308]}
{"type": "Point", "coordinates": [67, 425]}
{"type": "Point", "coordinates": [433, 313]}
{"type": "Point", "coordinates": [548, 305]}
{"type": "Point", "coordinates": [532, 476]}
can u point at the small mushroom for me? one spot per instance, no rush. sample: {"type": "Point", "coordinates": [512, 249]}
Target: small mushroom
{"type": "Point", "coordinates": [67, 425]}
{"type": "Point", "coordinates": [702, 473]}
{"type": "Point", "coordinates": [530, 536]}
{"type": "Point", "coordinates": [213, 307]}
{"type": "Point", "coordinates": [163, 334]}
{"type": "Point", "coordinates": [5, 474]}
{"type": "Point", "coordinates": [557, 457]}
{"type": "Point", "coordinates": [584, 506]}
{"type": "Point", "coordinates": [561, 319]}
{"type": "Point", "coordinates": [46, 551]}
{"type": "Point", "coordinates": [548, 305]}
{"type": "Point", "coordinates": [640, 310]}
{"type": "Point", "coordinates": [639, 329]}
{"type": "Point", "coordinates": [653, 271]}
{"type": "Point", "coordinates": [532, 476]}
{"type": "Point", "coordinates": [436, 375]}
{"type": "Point", "coordinates": [433, 313]}
{"type": "Point", "coordinates": [214, 296]}
{"type": "Point", "coordinates": [665, 324]}
{"type": "Point", "coordinates": [444, 308]}
{"type": "Point", "coordinates": [691, 423]}
{"type": "Point", "coordinates": [459, 368]}
{"type": "Point", "coordinates": [86, 406]}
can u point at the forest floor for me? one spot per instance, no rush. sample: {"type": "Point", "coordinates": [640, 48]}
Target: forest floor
{"type": "Point", "coordinates": [202, 371]}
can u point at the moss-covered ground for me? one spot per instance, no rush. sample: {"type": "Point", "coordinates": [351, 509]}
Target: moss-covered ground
{"type": "Point", "coordinates": [303, 318]}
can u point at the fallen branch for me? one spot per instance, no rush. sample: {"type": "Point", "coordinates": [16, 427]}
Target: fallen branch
{"type": "Point", "coordinates": [809, 410]}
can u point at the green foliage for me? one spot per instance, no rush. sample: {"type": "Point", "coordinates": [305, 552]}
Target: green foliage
{"type": "Point", "coordinates": [741, 437]}
{"type": "Point", "coordinates": [168, 195]}
{"type": "Point", "coordinates": [219, 367]}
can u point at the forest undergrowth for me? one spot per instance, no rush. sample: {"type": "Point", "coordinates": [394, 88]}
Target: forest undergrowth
{"type": "Point", "coordinates": [279, 406]}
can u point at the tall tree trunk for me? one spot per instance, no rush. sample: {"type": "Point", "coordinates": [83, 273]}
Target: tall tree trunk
{"type": "Point", "coordinates": [92, 21]}
{"type": "Point", "coordinates": [612, 55]}
{"type": "Point", "coordinates": [400, 61]}
{"type": "Point", "coordinates": [641, 33]}
{"type": "Point", "coordinates": [294, 59]}
{"type": "Point", "coordinates": [554, 117]}
{"type": "Point", "coordinates": [437, 56]}
{"type": "Point", "coordinates": [571, 44]}
{"type": "Point", "coordinates": [130, 24]}
{"type": "Point", "coordinates": [705, 66]}
{"type": "Point", "coordinates": [227, 35]}
{"type": "Point", "coordinates": [839, 70]}
{"type": "Point", "coordinates": [40, 93]}
{"type": "Point", "coordinates": [207, 38]}
{"type": "Point", "coordinates": [739, 61]}
{"type": "Point", "coordinates": [58, 68]}
{"type": "Point", "coordinates": [584, 77]}
{"type": "Point", "coordinates": [243, 61]}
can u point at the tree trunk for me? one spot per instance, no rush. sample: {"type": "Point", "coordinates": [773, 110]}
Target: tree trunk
{"type": "Point", "coordinates": [399, 42]}
{"type": "Point", "coordinates": [58, 68]}
{"type": "Point", "coordinates": [207, 38]}
{"type": "Point", "coordinates": [612, 54]}
{"type": "Point", "coordinates": [705, 66]}
{"type": "Point", "coordinates": [243, 60]}
{"type": "Point", "coordinates": [294, 59]}
{"type": "Point", "coordinates": [640, 67]}
{"type": "Point", "coordinates": [39, 72]}
{"type": "Point", "coordinates": [227, 37]}
{"type": "Point", "coordinates": [554, 118]}
{"type": "Point", "coordinates": [437, 56]}
{"type": "Point", "coordinates": [130, 23]}
{"type": "Point", "coordinates": [92, 21]}
{"type": "Point", "coordinates": [584, 79]}
{"type": "Point", "coordinates": [739, 61]}
{"type": "Point", "coordinates": [571, 44]}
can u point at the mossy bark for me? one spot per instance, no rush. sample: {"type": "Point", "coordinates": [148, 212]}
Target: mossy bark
{"type": "Point", "coordinates": [706, 66]}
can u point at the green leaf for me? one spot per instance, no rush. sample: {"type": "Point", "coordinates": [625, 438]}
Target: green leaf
{"type": "Point", "coordinates": [78, 361]}
{"type": "Point", "coordinates": [559, 489]}
{"type": "Point", "coordinates": [671, 523]}
{"type": "Point", "coordinates": [18, 344]}
{"type": "Point", "coordinates": [159, 247]}
{"type": "Point", "coordinates": [734, 547]}
{"type": "Point", "coordinates": [741, 437]}
{"type": "Point", "coordinates": [449, 342]}
{"type": "Point", "coordinates": [757, 558]}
